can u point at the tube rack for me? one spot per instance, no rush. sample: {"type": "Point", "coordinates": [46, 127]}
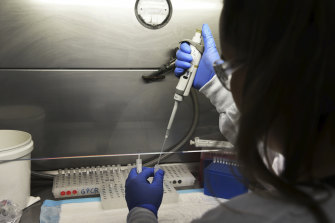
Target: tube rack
{"type": "Point", "coordinates": [109, 182]}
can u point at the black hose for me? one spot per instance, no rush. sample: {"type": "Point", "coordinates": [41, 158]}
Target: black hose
{"type": "Point", "coordinates": [189, 134]}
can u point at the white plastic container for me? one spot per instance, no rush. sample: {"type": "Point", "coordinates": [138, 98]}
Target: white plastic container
{"type": "Point", "coordinates": [15, 175]}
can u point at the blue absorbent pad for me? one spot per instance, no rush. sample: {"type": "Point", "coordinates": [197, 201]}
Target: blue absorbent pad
{"type": "Point", "coordinates": [51, 210]}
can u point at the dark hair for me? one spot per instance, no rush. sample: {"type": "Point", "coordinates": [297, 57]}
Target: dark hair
{"type": "Point", "coordinates": [287, 50]}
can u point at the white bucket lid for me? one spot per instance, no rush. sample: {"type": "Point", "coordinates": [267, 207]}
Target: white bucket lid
{"type": "Point", "coordinates": [14, 144]}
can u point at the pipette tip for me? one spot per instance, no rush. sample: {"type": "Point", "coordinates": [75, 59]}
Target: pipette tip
{"type": "Point", "coordinates": [139, 164]}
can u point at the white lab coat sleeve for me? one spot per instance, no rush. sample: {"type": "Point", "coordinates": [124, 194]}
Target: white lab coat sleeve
{"type": "Point", "coordinates": [141, 215]}
{"type": "Point", "coordinates": [223, 101]}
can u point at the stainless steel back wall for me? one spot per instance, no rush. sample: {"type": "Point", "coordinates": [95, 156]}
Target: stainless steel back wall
{"type": "Point", "coordinates": [70, 74]}
{"type": "Point", "coordinates": [94, 33]}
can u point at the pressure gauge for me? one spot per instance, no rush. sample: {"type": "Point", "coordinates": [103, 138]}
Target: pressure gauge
{"type": "Point", "coordinates": [153, 14]}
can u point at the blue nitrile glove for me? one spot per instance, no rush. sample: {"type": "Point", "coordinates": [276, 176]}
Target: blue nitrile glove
{"type": "Point", "coordinates": [140, 193]}
{"type": "Point", "coordinates": [205, 70]}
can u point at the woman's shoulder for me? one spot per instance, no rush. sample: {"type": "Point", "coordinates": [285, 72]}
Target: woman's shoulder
{"type": "Point", "coordinates": [252, 207]}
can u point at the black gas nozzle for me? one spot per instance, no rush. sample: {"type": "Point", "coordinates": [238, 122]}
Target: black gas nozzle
{"type": "Point", "coordinates": [158, 75]}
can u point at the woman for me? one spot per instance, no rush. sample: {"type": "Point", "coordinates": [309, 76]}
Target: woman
{"type": "Point", "coordinates": [280, 56]}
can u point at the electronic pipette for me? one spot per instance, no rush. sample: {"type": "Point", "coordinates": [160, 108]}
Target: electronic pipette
{"type": "Point", "coordinates": [185, 83]}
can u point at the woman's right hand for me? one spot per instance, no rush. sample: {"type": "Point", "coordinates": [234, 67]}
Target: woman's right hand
{"type": "Point", "coordinates": [205, 70]}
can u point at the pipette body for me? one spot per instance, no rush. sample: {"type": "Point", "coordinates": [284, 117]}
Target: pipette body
{"type": "Point", "coordinates": [185, 82]}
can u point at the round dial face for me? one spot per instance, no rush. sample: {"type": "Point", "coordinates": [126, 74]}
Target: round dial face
{"type": "Point", "coordinates": [153, 14]}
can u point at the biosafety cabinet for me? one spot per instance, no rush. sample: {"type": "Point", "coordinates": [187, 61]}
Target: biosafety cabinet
{"type": "Point", "coordinates": [71, 75]}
